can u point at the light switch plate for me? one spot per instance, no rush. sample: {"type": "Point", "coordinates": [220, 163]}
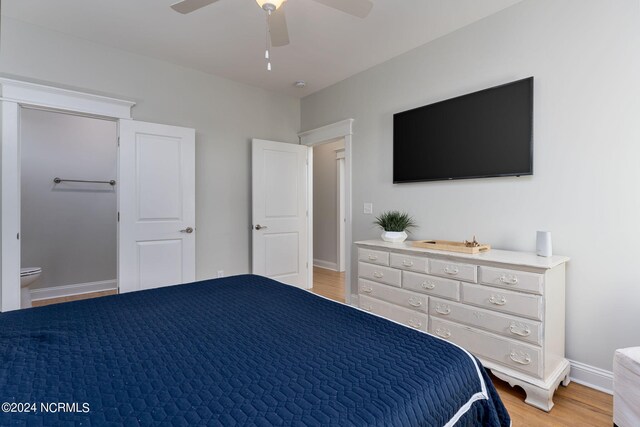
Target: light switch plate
{"type": "Point", "coordinates": [368, 208]}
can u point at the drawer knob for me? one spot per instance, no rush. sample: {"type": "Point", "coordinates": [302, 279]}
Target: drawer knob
{"type": "Point", "coordinates": [509, 280]}
{"type": "Point", "coordinates": [367, 290]}
{"type": "Point", "coordinates": [497, 300]}
{"type": "Point", "coordinates": [519, 329]}
{"type": "Point", "coordinates": [378, 275]}
{"type": "Point", "coordinates": [521, 358]}
{"type": "Point", "coordinates": [443, 333]}
{"type": "Point", "coordinates": [443, 309]}
{"type": "Point", "coordinates": [415, 302]}
{"type": "Point", "coordinates": [407, 263]}
{"type": "Point", "coordinates": [451, 270]}
{"type": "Point", "coordinates": [366, 307]}
{"type": "Point", "coordinates": [414, 323]}
{"type": "Point", "coordinates": [373, 257]}
{"type": "Point", "coordinates": [428, 285]}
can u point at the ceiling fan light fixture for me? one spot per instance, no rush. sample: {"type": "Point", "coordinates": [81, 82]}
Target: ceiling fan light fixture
{"type": "Point", "coordinates": [270, 5]}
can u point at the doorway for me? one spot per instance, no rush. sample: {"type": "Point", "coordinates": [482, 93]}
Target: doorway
{"type": "Point", "coordinates": [339, 131]}
{"type": "Point", "coordinates": [155, 190]}
{"type": "Point", "coordinates": [329, 219]}
{"type": "Point", "coordinates": [68, 212]}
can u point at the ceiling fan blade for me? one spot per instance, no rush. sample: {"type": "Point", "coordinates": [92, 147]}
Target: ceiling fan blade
{"type": "Point", "coordinates": [359, 8]}
{"type": "Point", "coordinates": [188, 6]}
{"type": "Point", "coordinates": [278, 28]}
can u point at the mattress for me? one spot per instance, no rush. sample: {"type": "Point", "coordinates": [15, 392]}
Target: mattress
{"type": "Point", "coordinates": [243, 350]}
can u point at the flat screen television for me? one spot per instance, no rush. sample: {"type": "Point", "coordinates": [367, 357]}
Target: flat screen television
{"type": "Point", "coordinates": [482, 134]}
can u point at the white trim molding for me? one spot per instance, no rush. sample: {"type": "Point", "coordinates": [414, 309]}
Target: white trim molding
{"type": "Point", "coordinates": [326, 133]}
{"type": "Point", "coordinates": [591, 376]}
{"type": "Point", "coordinates": [10, 283]}
{"type": "Point", "coordinates": [75, 289]}
{"type": "Point", "coordinates": [33, 94]}
{"type": "Point", "coordinates": [327, 265]}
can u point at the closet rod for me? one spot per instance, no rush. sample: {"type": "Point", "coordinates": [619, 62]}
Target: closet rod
{"type": "Point", "coordinates": [59, 180]}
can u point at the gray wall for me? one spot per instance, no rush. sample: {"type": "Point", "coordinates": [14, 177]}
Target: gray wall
{"type": "Point", "coordinates": [325, 202]}
{"type": "Point", "coordinates": [225, 114]}
{"type": "Point", "coordinates": [68, 229]}
{"type": "Point", "coordinates": [585, 59]}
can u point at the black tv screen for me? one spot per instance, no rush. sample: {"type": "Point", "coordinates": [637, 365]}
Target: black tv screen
{"type": "Point", "coordinates": [483, 134]}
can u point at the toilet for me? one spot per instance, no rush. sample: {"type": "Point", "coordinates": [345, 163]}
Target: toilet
{"type": "Point", "coordinates": [27, 277]}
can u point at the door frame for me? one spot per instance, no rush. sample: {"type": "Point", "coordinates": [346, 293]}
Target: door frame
{"type": "Point", "coordinates": [322, 135]}
{"type": "Point", "coordinates": [14, 95]}
{"type": "Point", "coordinates": [341, 214]}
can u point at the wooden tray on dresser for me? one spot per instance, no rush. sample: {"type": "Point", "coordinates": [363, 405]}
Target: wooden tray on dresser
{"type": "Point", "coordinates": [447, 245]}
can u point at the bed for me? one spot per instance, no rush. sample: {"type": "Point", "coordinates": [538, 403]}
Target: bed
{"type": "Point", "coordinates": [243, 350]}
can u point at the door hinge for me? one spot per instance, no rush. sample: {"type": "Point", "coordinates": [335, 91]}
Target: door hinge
{"type": "Point", "coordinates": [118, 216]}
{"type": "Point", "coordinates": [118, 141]}
{"type": "Point", "coordinates": [18, 236]}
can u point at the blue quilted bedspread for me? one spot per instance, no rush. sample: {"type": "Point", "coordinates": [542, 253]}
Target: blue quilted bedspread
{"type": "Point", "coordinates": [243, 350]}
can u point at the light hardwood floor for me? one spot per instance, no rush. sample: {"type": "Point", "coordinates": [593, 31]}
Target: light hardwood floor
{"type": "Point", "coordinates": [50, 301]}
{"type": "Point", "coordinates": [328, 283]}
{"type": "Point", "coordinates": [575, 405]}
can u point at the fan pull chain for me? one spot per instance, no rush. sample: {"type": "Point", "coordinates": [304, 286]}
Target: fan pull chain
{"type": "Point", "coordinates": [267, 54]}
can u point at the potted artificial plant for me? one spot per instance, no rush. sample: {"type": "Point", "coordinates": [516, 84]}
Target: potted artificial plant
{"type": "Point", "coordinates": [395, 225]}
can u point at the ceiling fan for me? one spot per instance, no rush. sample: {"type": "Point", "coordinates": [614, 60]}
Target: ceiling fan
{"type": "Point", "coordinates": [278, 34]}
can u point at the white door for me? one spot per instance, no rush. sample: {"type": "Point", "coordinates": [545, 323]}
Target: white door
{"type": "Point", "coordinates": [280, 205]}
{"type": "Point", "coordinates": [156, 206]}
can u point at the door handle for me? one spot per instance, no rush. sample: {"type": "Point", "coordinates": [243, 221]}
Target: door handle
{"type": "Point", "coordinates": [187, 230]}
{"type": "Point", "coordinates": [260, 227]}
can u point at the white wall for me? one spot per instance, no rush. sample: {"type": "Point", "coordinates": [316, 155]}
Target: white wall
{"type": "Point", "coordinates": [585, 57]}
{"type": "Point", "coordinates": [225, 114]}
{"type": "Point", "coordinates": [325, 203]}
{"type": "Point", "coordinates": [68, 229]}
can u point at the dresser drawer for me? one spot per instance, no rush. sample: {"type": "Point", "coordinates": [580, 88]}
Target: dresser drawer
{"type": "Point", "coordinates": [517, 303]}
{"type": "Point", "coordinates": [453, 270]}
{"type": "Point", "coordinates": [512, 279]}
{"type": "Point", "coordinates": [379, 274]}
{"type": "Point", "coordinates": [503, 324]}
{"type": "Point", "coordinates": [373, 256]}
{"type": "Point", "coordinates": [406, 317]}
{"type": "Point", "coordinates": [407, 262]}
{"type": "Point", "coordinates": [516, 355]}
{"type": "Point", "coordinates": [431, 285]}
{"type": "Point", "coordinates": [402, 298]}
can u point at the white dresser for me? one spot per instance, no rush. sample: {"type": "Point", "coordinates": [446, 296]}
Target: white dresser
{"type": "Point", "coordinates": [507, 308]}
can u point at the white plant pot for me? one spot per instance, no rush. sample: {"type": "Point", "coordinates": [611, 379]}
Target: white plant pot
{"type": "Point", "coordinates": [394, 236]}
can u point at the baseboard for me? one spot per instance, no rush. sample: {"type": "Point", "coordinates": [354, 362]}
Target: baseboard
{"type": "Point", "coordinates": [76, 289]}
{"type": "Point", "coordinates": [325, 264]}
{"type": "Point", "coordinates": [591, 376]}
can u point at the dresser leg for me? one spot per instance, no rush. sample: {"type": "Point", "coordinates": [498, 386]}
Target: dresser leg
{"type": "Point", "coordinates": [538, 396]}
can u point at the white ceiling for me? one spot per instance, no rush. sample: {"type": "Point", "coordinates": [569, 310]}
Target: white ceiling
{"type": "Point", "coordinates": [227, 38]}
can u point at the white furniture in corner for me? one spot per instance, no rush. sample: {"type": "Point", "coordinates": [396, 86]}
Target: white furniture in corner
{"type": "Point", "coordinates": [507, 308]}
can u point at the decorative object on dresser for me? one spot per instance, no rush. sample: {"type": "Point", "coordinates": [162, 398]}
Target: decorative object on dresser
{"type": "Point", "coordinates": [543, 243]}
{"type": "Point", "coordinates": [395, 225]}
{"type": "Point", "coordinates": [505, 307]}
{"type": "Point", "coordinates": [466, 247]}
